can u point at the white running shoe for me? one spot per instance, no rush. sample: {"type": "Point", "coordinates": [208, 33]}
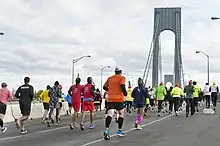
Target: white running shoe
{"type": "Point", "coordinates": [4, 129]}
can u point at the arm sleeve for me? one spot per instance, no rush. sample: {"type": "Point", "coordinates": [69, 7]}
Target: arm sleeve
{"type": "Point", "coordinates": [31, 92]}
{"type": "Point", "coordinates": [122, 84]}
{"type": "Point", "coordinates": [105, 87]}
{"type": "Point", "coordinates": [17, 93]}
{"type": "Point", "coordinates": [70, 91]}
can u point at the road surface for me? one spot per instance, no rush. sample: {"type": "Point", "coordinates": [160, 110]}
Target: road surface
{"type": "Point", "coordinates": [167, 130]}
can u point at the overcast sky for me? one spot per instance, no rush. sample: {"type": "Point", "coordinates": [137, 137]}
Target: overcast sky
{"type": "Point", "coordinates": [43, 36]}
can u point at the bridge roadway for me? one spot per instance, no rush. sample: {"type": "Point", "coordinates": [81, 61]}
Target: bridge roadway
{"type": "Point", "coordinates": [167, 130]}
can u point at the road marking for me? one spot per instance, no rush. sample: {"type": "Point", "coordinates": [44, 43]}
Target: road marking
{"type": "Point", "coordinates": [132, 129]}
{"type": "Point", "coordinates": [42, 131]}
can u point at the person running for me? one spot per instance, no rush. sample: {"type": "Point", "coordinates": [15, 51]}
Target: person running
{"type": "Point", "coordinates": [188, 90]}
{"type": "Point", "coordinates": [46, 99]}
{"type": "Point", "coordinates": [214, 94]}
{"type": "Point", "coordinates": [5, 96]}
{"type": "Point", "coordinates": [160, 95]}
{"type": "Point", "coordinates": [115, 86]}
{"type": "Point", "coordinates": [196, 95]}
{"type": "Point", "coordinates": [177, 92]}
{"type": "Point", "coordinates": [88, 103]}
{"type": "Point", "coordinates": [97, 100]}
{"type": "Point", "coordinates": [170, 99]}
{"type": "Point", "coordinates": [25, 94]}
{"type": "Point", "coordinates": [129, 100]}
{"type": "Point", "coordinates": [68, 98]}
{"type": "Point", "coordinates": [152, 96]}
{"type": "Point", "coordinates": [75, 92]}
{"type": "Point", "coordinates": [207, 95]}
{"type": "Point", "coordinates": [140, 93]}
{"type": "Point", "coordinates": [54, 94]}
{"type": "Point", "coordinates": [59, 106]}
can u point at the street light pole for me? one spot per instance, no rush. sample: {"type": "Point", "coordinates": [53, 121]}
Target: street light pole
{"type": "Point", "coordinates": [207, 63]}
{"type": "Point", "coordinates": [73, 68]}
{"type": "Point", "coordinates": [101, 76]}
{"type": "Point", "coordinates": [1, 33]}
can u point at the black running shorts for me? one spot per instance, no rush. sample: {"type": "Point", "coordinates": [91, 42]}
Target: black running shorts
{"type": "Point", "coordinates": [25, 108]}
{"type": "Point", "coordinates": [3, 108]}
{"type": "Point", "coordinates": [46, 106]}
{"type": "Point", "coordinates": [115, 105]}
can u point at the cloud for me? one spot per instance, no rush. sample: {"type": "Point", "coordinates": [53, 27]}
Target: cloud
{"type": "Point", "coordinates": [43, 37]}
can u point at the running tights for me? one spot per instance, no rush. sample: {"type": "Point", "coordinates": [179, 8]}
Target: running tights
{"type": "Point", "coordinates": [108, 120]}
{"type": "Point", "coordinates": [1, 122]}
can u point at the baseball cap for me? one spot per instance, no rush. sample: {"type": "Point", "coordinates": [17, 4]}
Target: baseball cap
{"type": "Point", "coordinates": [118, 68]}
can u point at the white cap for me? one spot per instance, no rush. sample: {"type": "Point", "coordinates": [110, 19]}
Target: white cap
{"type": "Point", "coordinates": [117, 68]}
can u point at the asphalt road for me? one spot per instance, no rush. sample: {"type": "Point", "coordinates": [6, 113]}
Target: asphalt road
{"type": "Point", "coordinates": [167, 130]}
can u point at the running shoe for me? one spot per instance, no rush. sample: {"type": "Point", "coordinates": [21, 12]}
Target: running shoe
{"type": "Point", "coordinates": [24, 131]}
{"type": "Point", "coordinates": [120, 133]}
{"type": "Point", "coordinates": [139, 127]}
{"type": "Point", "coordinates": [106, 135]}
{"type": "Point", "coordinates": [82, 126]}
{"type": "Point", "coordinates": [91, 126]}
{"type": "Point", "coordinates": [4, 129]}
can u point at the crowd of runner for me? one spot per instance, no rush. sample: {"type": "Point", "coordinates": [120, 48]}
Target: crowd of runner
{"type": "Point", "coordinates": [118, 99]}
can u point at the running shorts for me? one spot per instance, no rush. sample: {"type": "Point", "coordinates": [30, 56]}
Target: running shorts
{"type": "Point", "coordinates": [46, 106]}
{"type": "Point", "coordinates": [3, 108]}
{"type": "Point", "coordinates": [88, 106]}
{"type": "Point", "coordinates": [115, 105]}
{"type": "Point", "coordinates": [76, 106]}
{"type": "Point", "coordinates": [140, 105]}
{"type": "Point", "coordinates": [25, 108]}
{"type": "Point", "coordinates": [97, 103]}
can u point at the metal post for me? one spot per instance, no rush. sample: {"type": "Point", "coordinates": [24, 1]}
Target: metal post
{"type": "Point", "coordinates": [208, 67]}
{"type": "Point", "coordinates": [101, 81]}
{"type": "Point", "coordinates": [73, 72]}
{"type": "Point", "coordinates": [102, 75]}
{"type": "Point", "coordinates": [73, 68]}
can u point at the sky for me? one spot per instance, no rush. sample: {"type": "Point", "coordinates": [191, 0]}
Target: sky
{"type": "Point", "coordinates": [42, 37]}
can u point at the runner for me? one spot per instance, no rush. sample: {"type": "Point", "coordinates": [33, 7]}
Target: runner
{"type": "Point", "coordinates": [214, 94]}
{"type": "Point", "coordinates": [177, 92]}
{"type": "Point", "coordinates": [97, 100]}
{"type": "Point", "coordinates": [196, 95]}
{"type": "Point", "coordinates": [140, 93]}
{"type": "Point", "coordinates": [129, 100]}
{"type": "Point", "coordinates": [45, 97]}
{"type": "Point", "coordinates": [5, 95]}
{"type": "Point", "coordinates": [170, 99]}
{"type": "Point", "coordinates": [207, 94]}
{"type": "Point", "coordinates": [88, 104]}
{"type": "Point", "coordinates": [189, 99]}
{"type": "Point", "coordinates": [115, 86]}
{"type": "Point", "coordinates": [54, 94]}
{"type": "Point", "coordinates": [75, 92]}
{"type": "Point", "coordinates": [59, 106]}
{"type": "Point", "coordinates": [160, 95]}
{"type": "Point", "coordinates": [68, 98]}
{"type": "Point", "coordinates": [25, 94]}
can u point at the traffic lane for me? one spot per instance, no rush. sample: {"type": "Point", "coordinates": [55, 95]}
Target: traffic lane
{"type": "Point", "coordinates": [195, 130]}
{"type": "Point", "coordinates": [65, 137]}
{"type": "Point", "coordinates": [36, 125]}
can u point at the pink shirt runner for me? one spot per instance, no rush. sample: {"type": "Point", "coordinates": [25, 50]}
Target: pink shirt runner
{"type": "Point", "coordinates": [5, 95]}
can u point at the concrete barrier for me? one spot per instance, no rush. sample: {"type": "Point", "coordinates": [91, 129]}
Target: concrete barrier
{"type": "Point", "coordinates": [36, 111]}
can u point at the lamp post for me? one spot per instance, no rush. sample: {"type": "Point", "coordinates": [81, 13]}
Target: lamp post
{"type": "Point", "coordinates": [75, 61]}
{"type": "Point", "coordinates": [102, 75]}
{"type": "Point", "coordinates": [1, 33]}
{"type": "Point", "coordinates": [215, 18]}
{"type": "Point", "coordinates": [207, 63]}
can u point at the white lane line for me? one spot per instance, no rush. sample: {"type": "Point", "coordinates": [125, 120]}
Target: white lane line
{"type": "Point", "coordinates": [42, 131]}
{"type": "Point", "coordinates": [129, 130]}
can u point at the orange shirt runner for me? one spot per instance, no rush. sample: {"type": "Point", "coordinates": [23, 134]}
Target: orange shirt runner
{"type": "Point", "coordinates": [115, 93]}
